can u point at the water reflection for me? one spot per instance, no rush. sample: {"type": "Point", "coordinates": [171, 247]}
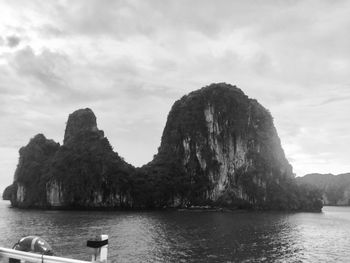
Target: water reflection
{"type": "Point", "coordinates": [188, 236]}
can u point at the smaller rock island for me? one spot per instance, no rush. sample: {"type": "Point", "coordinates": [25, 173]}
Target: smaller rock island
{"type": "Point", "coordinates": [335, 189]}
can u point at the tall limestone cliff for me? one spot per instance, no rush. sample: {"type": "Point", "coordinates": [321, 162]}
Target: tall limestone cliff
{"type": "Point", "coordinates": [226, 151]}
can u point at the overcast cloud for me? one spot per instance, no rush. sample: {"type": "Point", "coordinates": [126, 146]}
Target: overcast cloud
{"type": "Point", "coordinates": [130, 60]}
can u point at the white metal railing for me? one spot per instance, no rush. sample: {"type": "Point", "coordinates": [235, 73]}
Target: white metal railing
{"type": "Point", "coordinates": [99, 255]}
{"type": "Point", "coordinates": [35, 258]}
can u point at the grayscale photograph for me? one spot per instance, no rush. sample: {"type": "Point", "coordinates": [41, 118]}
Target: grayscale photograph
{"type": "Point", "coordinates": [174, 131]}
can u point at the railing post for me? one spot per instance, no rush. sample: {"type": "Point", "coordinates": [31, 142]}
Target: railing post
{"type": "Point", "coordinates": [100, 246]}
{"type": "Point", "coordinates": [104, 249]}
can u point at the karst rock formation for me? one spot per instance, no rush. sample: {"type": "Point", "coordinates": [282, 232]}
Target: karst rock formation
{"type": "Point", "coordinates": [219, 148]}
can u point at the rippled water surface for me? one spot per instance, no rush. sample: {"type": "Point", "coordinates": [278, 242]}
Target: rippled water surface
{"type": "Point", "coordinates": [188, 236]}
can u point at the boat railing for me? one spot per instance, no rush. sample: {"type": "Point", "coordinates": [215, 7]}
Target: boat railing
{"type": "Point", "coordinates": [6, 253]}
{"type": "Point", "coordinates": [99, 255]}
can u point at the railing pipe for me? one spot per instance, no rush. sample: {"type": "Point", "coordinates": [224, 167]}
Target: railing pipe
{"type": "Point", "coordinates": [35, 258]}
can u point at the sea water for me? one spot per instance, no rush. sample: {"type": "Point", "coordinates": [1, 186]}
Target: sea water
{"type": "Point", "coordinates": [187, 236]}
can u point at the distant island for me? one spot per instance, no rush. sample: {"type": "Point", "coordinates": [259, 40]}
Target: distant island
{"type": "Point", "coordinates": [335, 189]}
{"type": "Point", "coordinates": [219, 148]}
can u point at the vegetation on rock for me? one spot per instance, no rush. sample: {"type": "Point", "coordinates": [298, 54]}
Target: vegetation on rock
{"type": "Point", "coordinates": [31, 172]}
{"type": "Point", "coordinates": [218, 148]}
{"type": "Point", "coordinates": [89, 173]}
{"type": "Point", "coordinates": [226, 151]}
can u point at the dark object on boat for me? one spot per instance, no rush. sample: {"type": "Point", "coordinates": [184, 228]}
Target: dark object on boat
{"type": "Point", "coordinates": [32, 244]}
{"type": "Point", "coordinates": [96, 243]}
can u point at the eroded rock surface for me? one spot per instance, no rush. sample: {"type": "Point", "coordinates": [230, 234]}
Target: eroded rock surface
{"type": "Point", "coordinates": [218, 148]}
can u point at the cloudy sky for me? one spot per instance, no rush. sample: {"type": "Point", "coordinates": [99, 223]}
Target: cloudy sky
{"type": "Point", "coordinates": [130, 60]}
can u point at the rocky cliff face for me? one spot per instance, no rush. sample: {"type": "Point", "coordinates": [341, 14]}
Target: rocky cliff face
{"type": "Point", "coordinates": [85, 171]}
{"type": "Point", "coordinates": [54, 194]}
{"type": "Point", "coordinates": [80, 122]}
{"type": "Point", "coordinates": [335, 189]}
{"type": "Point", "coordinates": [228, 150]}
{"type": "Point", "coordinates": [219, 147]}
{"type": "Point", "coordinates": [30, 176]}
